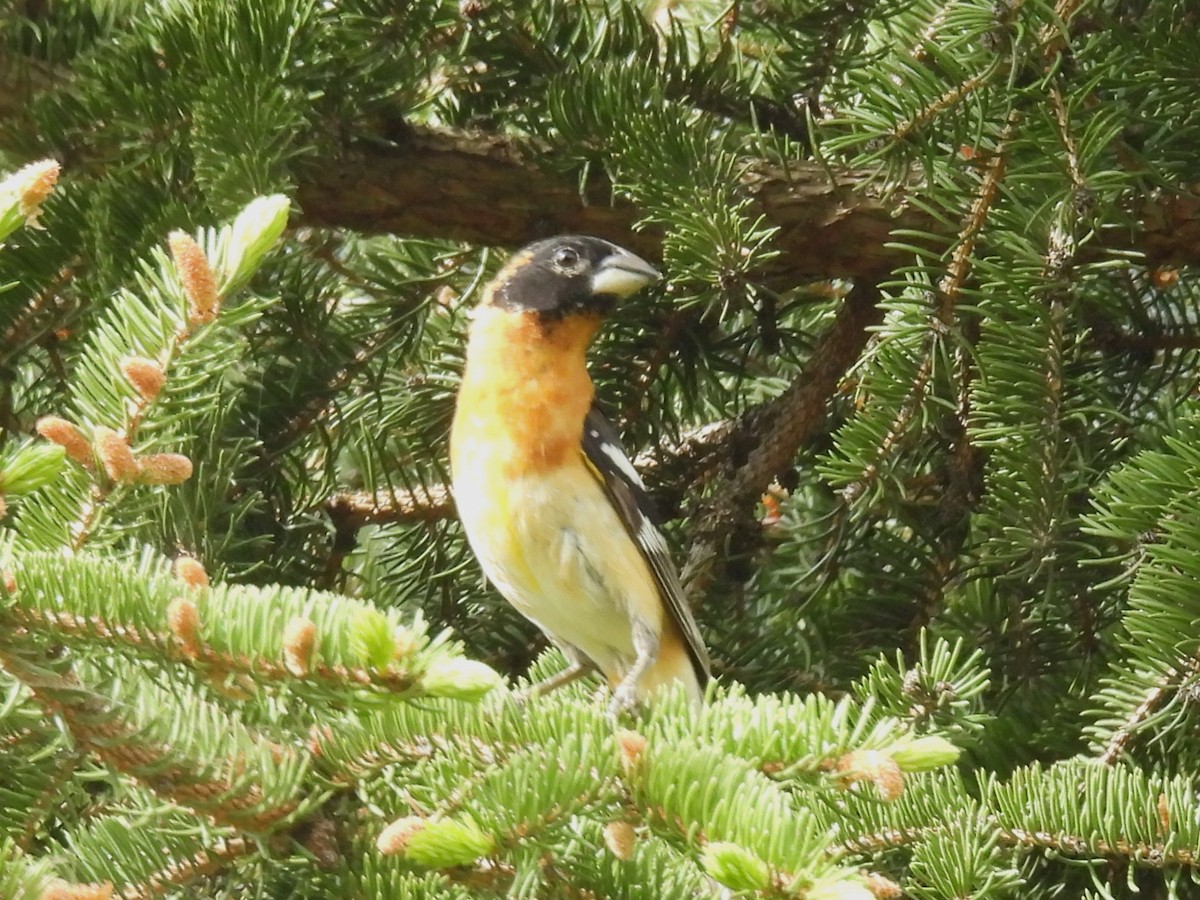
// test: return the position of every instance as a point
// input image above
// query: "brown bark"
(491, 190)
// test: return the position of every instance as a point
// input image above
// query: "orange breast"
(524, 395)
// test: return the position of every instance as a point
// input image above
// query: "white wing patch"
(618, 458)
(626, 492)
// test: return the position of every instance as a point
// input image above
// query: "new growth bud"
(35, 183)
(66, 435)
(844, 888)
(299, 637)
(254, 232)
(146, 375)
(116, 456)
(33, 466)
(165, 468)
(196, 276)
(459, 679)
(924, 754)
(735, 867)
(191, 572)
(443, 843)
(394, 839)
(22, 194)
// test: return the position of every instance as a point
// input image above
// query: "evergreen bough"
(917, 402)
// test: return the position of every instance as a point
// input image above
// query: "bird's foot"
(573, 672)
(624, 699)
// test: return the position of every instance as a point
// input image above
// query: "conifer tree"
(916, 400)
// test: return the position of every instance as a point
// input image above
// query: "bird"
(556, 514)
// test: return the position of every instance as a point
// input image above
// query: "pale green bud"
(371, 638)
(735, 867)
(253, 233)
(844, 888)
(459, 679)
(31, 467)
(925, 753)
(443, 843)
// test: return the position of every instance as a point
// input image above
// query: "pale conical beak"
(622, 273)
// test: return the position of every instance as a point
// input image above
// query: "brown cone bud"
(116, 456)
(146, 375)
(322, 843)
(299, 636)
(620, 837)
(65, 890)
(873, 766)
(165, 468)
(631, 746)
(36, 182)
(191, 572)
(66, 435)
(9, 581)
(183, 618)
(196, 276)
(3, 508)
(883, 888)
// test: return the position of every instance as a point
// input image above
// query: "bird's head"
(566, 275)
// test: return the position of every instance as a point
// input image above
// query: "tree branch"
(491, 190)
(496, 190)
(770, 435)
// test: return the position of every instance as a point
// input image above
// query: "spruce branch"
(351, 510)
(113, 448)
(179, 872)
(103, 729)
(494, 190)
(1165, 685)
(1157, 856)
(236, 630)
(215, 663)
(41, 313)
(1077, 846)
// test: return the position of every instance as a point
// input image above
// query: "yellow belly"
(557, 551)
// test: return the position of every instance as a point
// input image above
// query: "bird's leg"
(579, 667)
(645, 645)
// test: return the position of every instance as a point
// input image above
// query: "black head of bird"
(569, 274)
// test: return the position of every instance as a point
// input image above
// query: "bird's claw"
(624, 698)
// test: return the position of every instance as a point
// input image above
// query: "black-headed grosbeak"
(552, 507)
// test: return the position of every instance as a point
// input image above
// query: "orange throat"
(524, 395)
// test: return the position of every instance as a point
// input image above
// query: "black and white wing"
(627, 493)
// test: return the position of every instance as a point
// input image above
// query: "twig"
(1154, 698)
(949, 292)
(774, 433)
(354, 509)
(100, 727)
(183, 871)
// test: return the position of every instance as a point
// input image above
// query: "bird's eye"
(566, 259)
